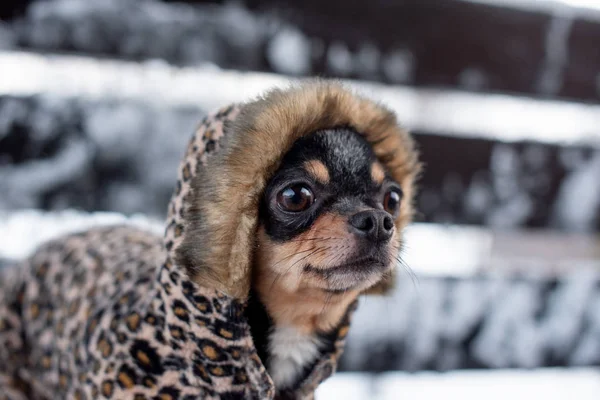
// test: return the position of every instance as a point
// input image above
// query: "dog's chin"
(353, 275)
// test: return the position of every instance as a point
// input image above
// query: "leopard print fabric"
(107, 314)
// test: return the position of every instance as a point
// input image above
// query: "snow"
(190, 34)
(586, 9)
(21, 232)
(289, 52)
(460, 250)
(547, 384)
(367, 60)
(493, 116)
(489, 320)
(21, 186)
(399, 65)
(339, 59)
(579, 197)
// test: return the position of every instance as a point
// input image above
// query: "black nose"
(375, 225)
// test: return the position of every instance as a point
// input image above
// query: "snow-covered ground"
(22, 231)
(546, 384)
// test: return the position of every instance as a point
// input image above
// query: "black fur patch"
(260, 325)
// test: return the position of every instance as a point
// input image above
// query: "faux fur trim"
(223, 207)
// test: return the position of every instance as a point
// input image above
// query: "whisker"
(411, 273)
(317, 238)
(296, 262)
(292, 255)
(333, 261)
(327, 301)
(278, 274)
(305, 257)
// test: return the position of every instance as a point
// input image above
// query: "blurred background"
(98, 99)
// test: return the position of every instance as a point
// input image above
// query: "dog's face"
(327, 219)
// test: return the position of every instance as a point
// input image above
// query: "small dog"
(285, 210)
(326, 234)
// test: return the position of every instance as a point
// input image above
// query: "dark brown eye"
(391, 201)
(295, 198)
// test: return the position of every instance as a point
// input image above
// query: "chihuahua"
(326, 234)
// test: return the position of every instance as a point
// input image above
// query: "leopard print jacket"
(108, 314)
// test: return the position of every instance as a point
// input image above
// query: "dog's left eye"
(295, 198)
(391, 201)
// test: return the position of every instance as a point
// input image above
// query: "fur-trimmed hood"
(213, 215)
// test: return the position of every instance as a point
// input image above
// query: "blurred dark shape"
(42, 150)
(5, 263)
(448, 41)
(441, 43)
(503, 185)
(12, 8)
(479, 322)
(228, 36)
(112, 156)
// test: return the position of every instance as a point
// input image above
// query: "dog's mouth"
(360, 273)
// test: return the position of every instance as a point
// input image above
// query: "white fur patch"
(290, 351)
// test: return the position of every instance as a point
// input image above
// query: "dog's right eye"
(295, 198)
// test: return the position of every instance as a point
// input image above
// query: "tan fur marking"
(344, 331)
(377, 173)
(317, 170)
